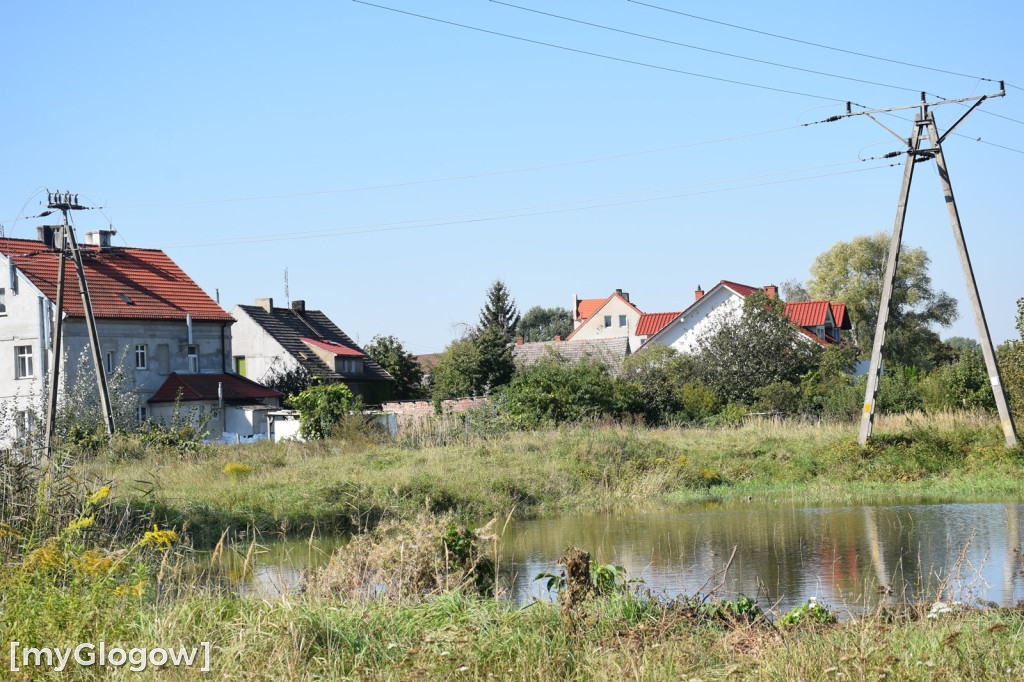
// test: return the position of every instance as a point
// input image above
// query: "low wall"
(409, 412)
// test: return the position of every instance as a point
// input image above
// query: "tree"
(457, 373)
(544, 324)
(738, 355)
(289, 380)
(320, 408)
(388, 352)
(554, 390)
(793, 291)
(500, 312)
(852, 273)
(1011, 364)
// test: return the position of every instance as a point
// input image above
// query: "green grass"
(352, 484)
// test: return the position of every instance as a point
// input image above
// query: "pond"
(847, 557)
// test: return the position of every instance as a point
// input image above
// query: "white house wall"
(263, 354)
(594, 327)
(715, 306)
(23, 324)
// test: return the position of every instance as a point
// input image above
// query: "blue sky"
(396, 165)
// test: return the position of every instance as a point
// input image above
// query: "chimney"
(699, 294)
(98, 238)
(623, 294)
(266, 303)
(772, 291)
(299, 306)
(558, 338)
(519, 340)
(47, 234)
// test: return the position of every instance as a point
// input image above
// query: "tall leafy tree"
(544, 324)
(1011, 365)
(739, 355)
(499, 311)
(388, 352)
(852, 273)
(458, 372)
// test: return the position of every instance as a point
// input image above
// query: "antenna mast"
(925, 128)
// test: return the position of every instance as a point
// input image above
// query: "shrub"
(554, 391)
(320, 408)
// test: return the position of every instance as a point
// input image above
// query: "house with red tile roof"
(152, 319)
(822, 322)
(269, 340)
(613, 317)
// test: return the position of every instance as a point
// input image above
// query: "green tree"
(320, 408)
(290, 381)
(657, 376)
(1011, 364)
(738, 355)
(388, 352)
(553, 391)
(458, 371)
(544, 324)
(499, 312)
(852, 273)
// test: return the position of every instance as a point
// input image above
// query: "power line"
(807, 42)
(471, 176)
(622, 60)
(705, 49)
(405, 225)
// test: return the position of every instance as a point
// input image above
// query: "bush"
(554, 391)
(320, 408)
(960, 385)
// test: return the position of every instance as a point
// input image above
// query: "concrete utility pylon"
(925, 128)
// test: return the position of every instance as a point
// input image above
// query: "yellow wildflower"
(47, 555)
(237, 469)
(81, 523)
(93, 562)
(8, 532)
(99, 495)
(159, 539)
(135, 590)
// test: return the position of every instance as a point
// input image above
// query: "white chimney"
(99, 238)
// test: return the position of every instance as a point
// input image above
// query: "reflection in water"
(848, 557)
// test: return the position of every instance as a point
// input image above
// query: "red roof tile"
(741, 289)
(652, 323)
(334, 347)
(808, 313)
(588, 306)
(123, 282)
(205, 387)
(840, 315)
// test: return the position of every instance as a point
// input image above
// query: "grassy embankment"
(352, 483)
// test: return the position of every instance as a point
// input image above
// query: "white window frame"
(607, 320)
(3, 301)
(623, 321)
(24, 425)
(142, 413)
(141, 356)
(192, 352)
(23, 365)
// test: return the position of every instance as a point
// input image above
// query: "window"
(110, 362)
(607, 320)
(142, 413)
(3, 302)
(140, 356)
(622, 320)
(240, 365)
(23, 425)
(193, 359)
(22, 362)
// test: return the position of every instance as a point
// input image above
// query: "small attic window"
(124, 297)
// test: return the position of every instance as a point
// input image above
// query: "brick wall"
(411, 411)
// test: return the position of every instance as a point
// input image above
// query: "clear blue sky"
(323, 138)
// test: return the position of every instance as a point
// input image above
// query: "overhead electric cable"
(409, 183)
(405, 225)
(601, 55)
(704, 49)
(807, 42)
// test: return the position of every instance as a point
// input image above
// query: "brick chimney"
(558, 338)
(266, 303)
(519, 340)
(299, 306)
(772, 291)
(623, 294)
(698, 294)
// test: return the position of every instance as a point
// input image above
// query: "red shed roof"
(652, 323)
(334, 347)
(123, 282)
(205, 387)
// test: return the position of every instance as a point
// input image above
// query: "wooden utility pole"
(67, 244)
(926, 128)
